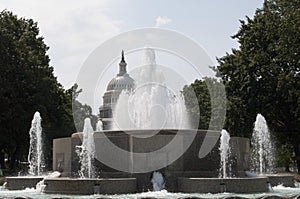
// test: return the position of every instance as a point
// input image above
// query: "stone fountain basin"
(78, 186)
(22, 182)
(284, 179)
(88, 186)
(219, 185)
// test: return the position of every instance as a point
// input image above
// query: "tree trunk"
(12, 162)
(297, 156)
(2, 162)
(14, 158)
(287, 168)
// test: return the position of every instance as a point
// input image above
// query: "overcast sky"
(73, 29)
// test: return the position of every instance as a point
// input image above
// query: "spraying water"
(99, 126)
(263, 151)
(158, 181)
(151, 105)
(224, 152)
(35, 156)
(86, 151)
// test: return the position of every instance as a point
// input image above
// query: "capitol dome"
(119, 83)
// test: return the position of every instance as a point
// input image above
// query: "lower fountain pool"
(281, 191)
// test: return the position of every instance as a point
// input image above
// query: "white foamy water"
(86, 151)
(263, 149)
(99, 126)
(158, 181)
(224, 153)
(35, 155)
(163, 194)
(151, 105)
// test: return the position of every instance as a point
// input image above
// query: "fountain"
(147, 119)
(224, 152)
(86, 151)
(151, 105)
(263, 149)
(263, 154)
(35, 156)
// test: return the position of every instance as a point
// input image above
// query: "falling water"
(151, 105)
(224, 153)
(35, 156)
(263, 151)
(86, 151)
(40, 186)
(158, 181)
(99, 126)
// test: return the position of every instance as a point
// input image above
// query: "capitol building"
(119, 83)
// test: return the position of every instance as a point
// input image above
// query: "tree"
(262, 76)
(284, 156)
(206, 103)
(81, 111)
(197, 101)
(27, 84)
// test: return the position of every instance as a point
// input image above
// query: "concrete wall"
(62, 155)
(89, 186)
(240, 156)
(286, 180)
(22, 182)
(219, 185)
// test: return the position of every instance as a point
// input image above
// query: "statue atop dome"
(122, 65)
(122, 54)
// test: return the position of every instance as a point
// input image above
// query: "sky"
(73, 29)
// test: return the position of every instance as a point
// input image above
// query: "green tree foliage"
(27, 84)
(204, 104)
(262, 76)
(284, 156)
(197, 100)
(81, 111)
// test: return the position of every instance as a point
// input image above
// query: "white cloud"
(71, 28)
(162, 20)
